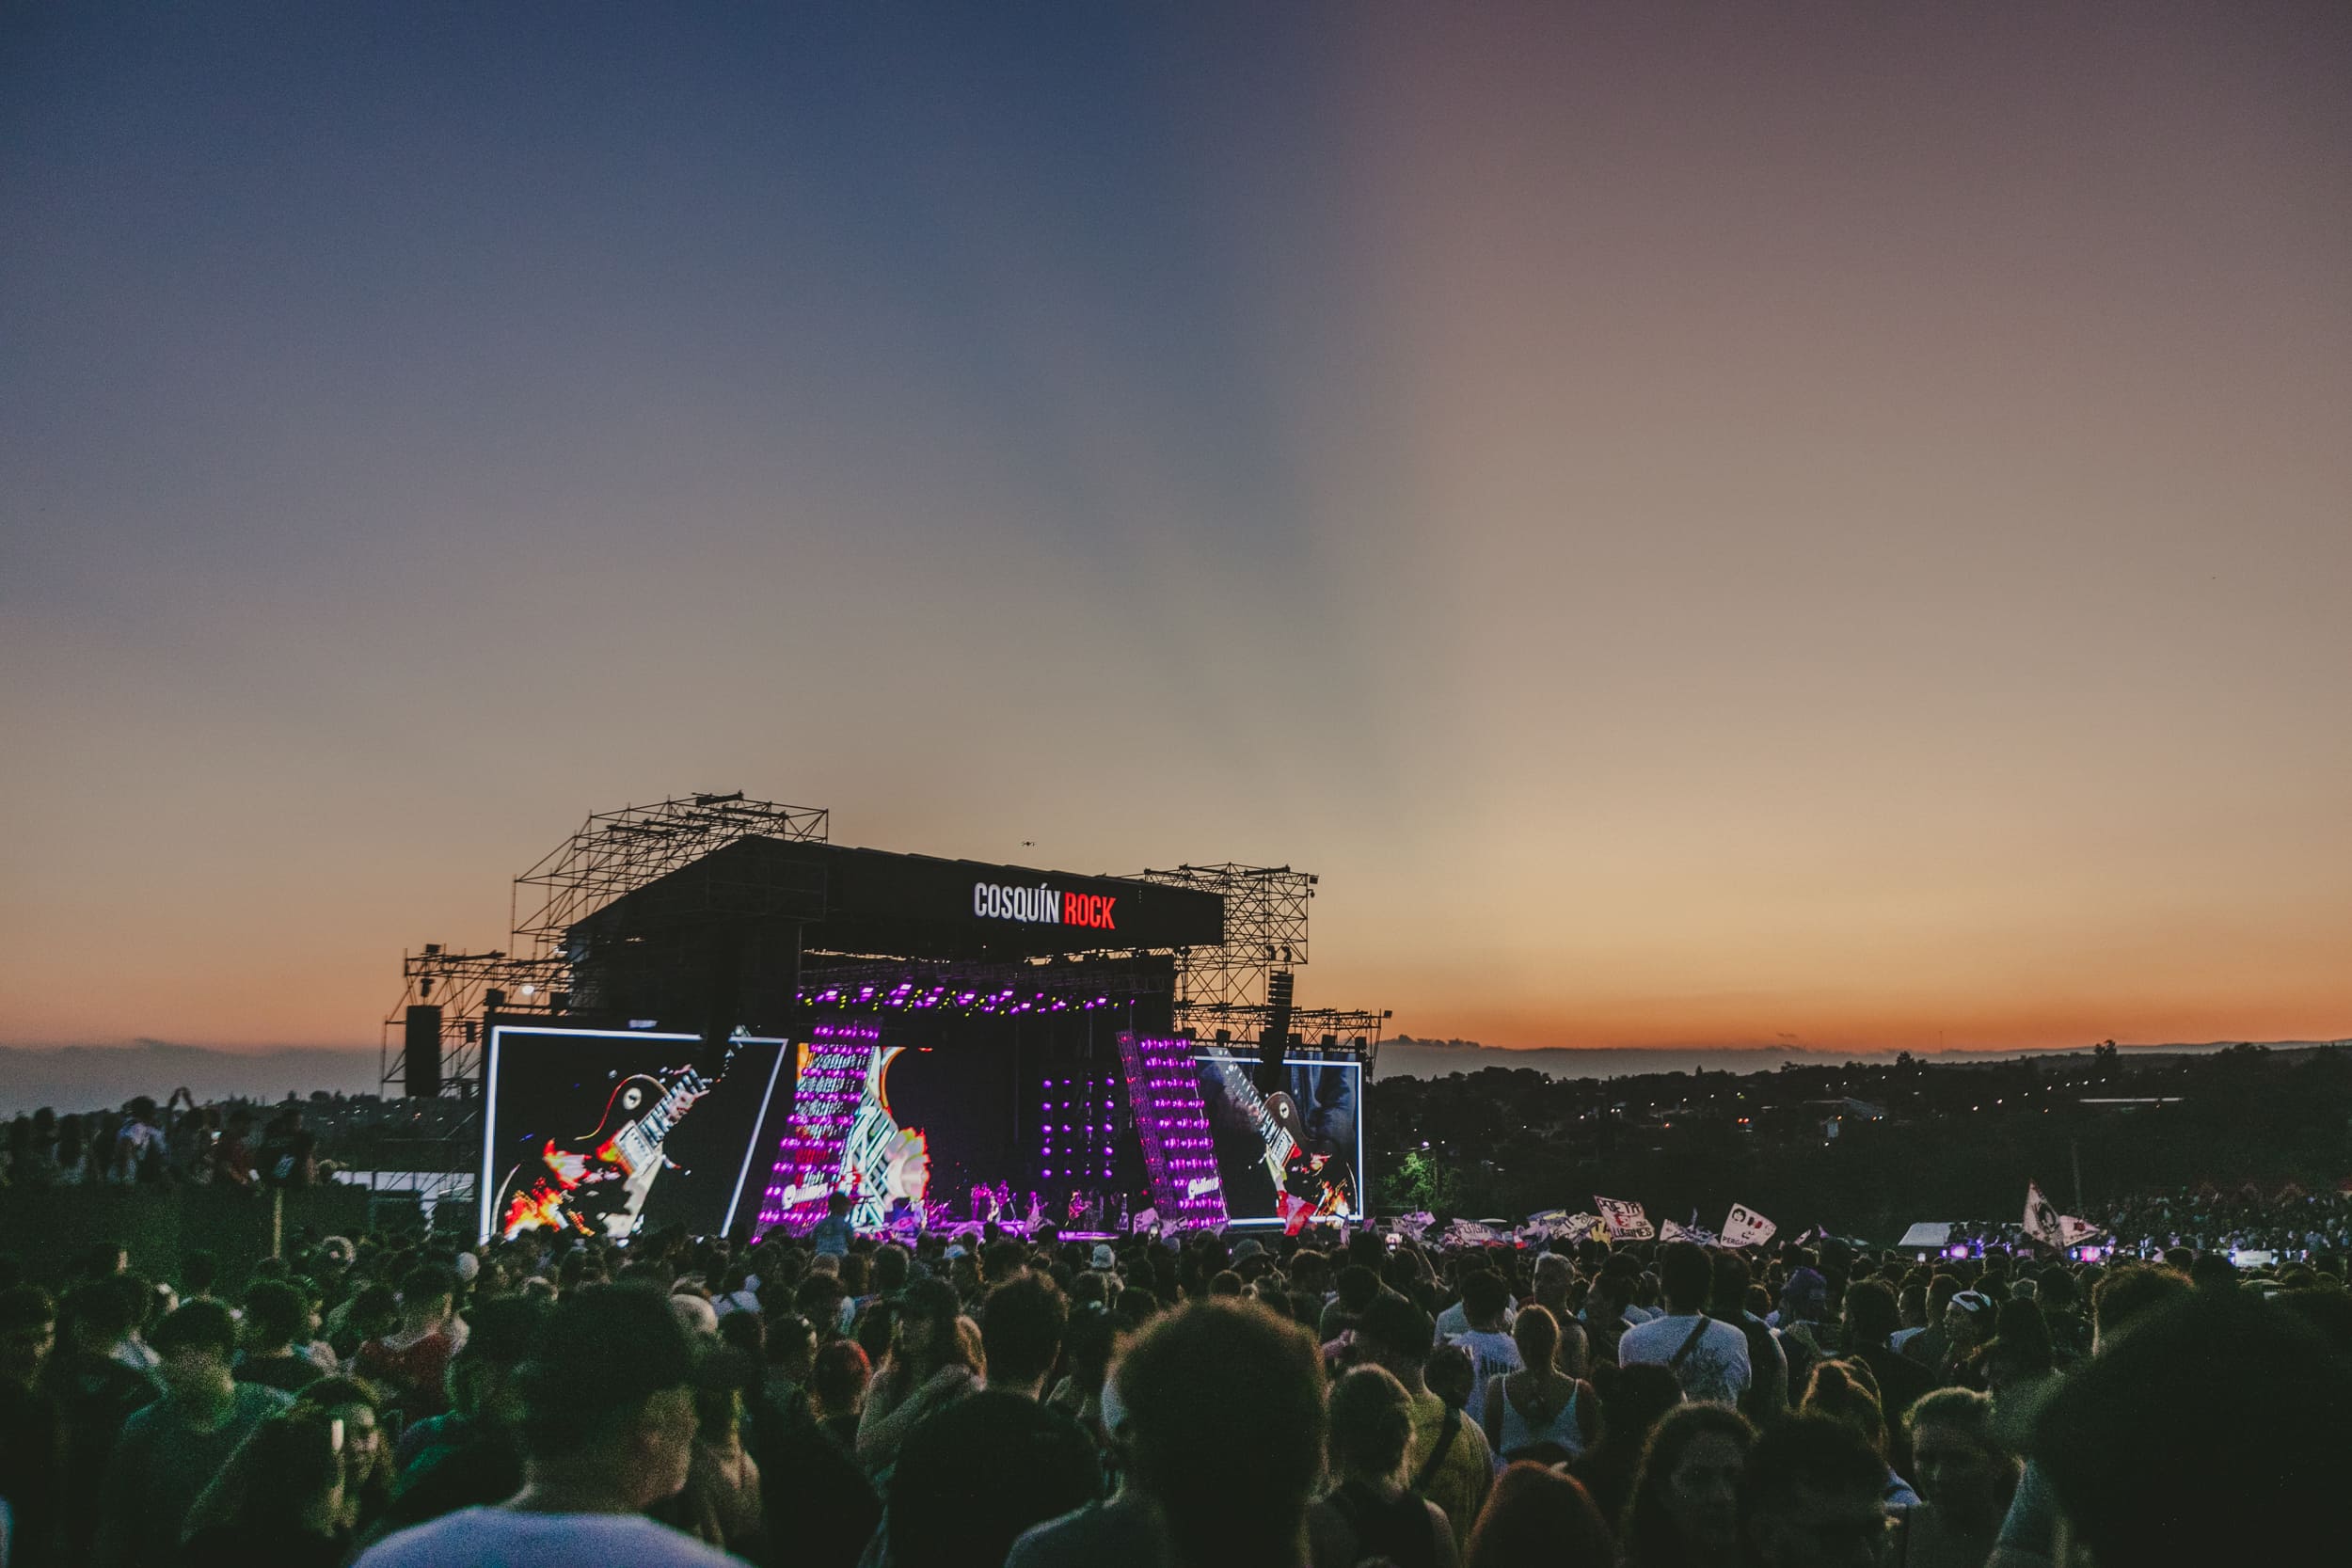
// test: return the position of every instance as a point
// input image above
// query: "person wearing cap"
(609, 1423)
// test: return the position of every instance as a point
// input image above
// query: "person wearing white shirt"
(1710, 1357)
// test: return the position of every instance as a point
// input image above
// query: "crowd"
(2287, 1224)
(233, 1145)
(2288, 1221)
(1294, 1403)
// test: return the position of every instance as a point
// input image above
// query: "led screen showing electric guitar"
(597, 1184)
(1307, 1186)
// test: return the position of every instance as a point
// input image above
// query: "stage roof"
(884, 904)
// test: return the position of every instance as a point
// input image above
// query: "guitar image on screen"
(1306, 1186)
(597, 1184)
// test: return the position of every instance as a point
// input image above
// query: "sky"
(1702, 526)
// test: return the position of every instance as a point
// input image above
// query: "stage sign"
(1014, 905)
(608, 1133)
(1290, 1156)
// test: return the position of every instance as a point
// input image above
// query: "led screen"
(613, 1131)
(1292, 1155)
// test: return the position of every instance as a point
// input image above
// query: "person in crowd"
(369, 1469)
(609, 1424)
(171, 1449)
(2271, 1391)
(1449, 1372)
(1535, 1517)
(1767, 1395)
(1539, 1412)
(2020, 1369)
(1967, 1324)
(836, 1390)
(1635, 1401)
(976, 1475)
(370, 1312)
(189, 1138)
(720, 1503)
(1810, 1498)
(1486, 1304)
(928, 1369)
(1709, 1358)
(279, 1500)
(1555, 1275)
(1450, 1463)
(1911, 1304)
(94, 1394)
(1089, 1344)
(1930, 1345)
(411, 1363)
(1685, 1511)
(1843, 1391)
(1872, 1317)
(1608, 1305)
(2125, 1298)
(830, 1237)
(1805, 1338)
(1219, 1412)
(472, 1456)
(289, 1156)
(200, 1272)
(1353, 1292)
(789, 1349)
(1371, 1512)
(31, 1434)
(820, 1504)
(233, 1155)
(137, 1155)
(1966, 1476)
(274, 1314)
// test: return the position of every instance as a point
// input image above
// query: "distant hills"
(1406, 1057)
(95, 1077)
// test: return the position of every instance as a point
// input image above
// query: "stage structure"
(1240, 989)
(432, 1039)
(951, 1040)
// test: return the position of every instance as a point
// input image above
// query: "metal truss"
(613, 852)
(619, 851)
(1325, 1028)
(467, 987)
(1265, 930)
(1223, 989)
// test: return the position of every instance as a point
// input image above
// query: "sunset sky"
(1702, 526)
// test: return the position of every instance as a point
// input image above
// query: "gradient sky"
(1702, 526)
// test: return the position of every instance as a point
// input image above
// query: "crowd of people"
(1295, 1402)
(235, 1144)
(2288, 1221)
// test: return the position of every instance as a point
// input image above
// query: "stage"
(724, 1023)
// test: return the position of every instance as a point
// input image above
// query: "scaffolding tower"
(614, 853)
(619, 851)
(469, 988)
(1222, 991)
